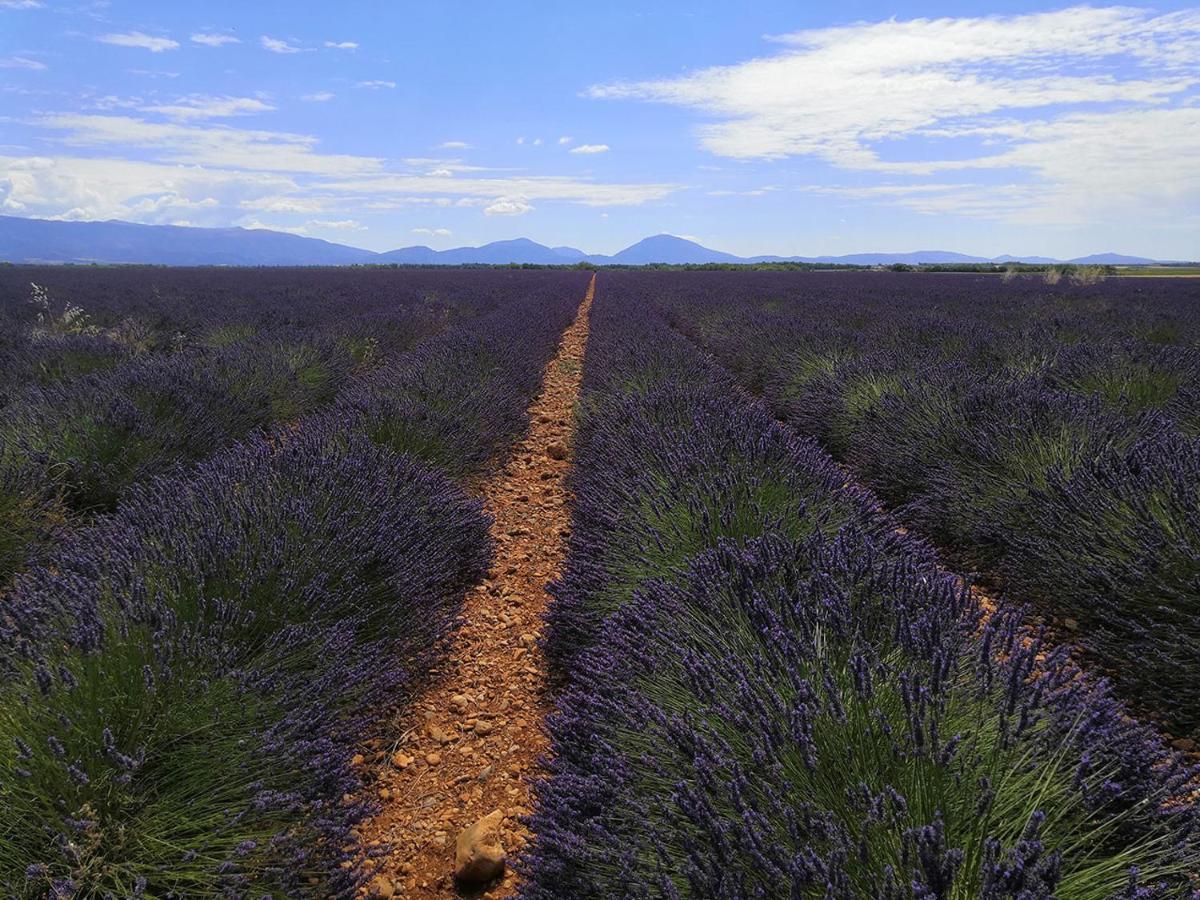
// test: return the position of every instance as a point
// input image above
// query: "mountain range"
(25, 240)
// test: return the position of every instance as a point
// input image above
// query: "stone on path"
(479, 856)
(382, 887)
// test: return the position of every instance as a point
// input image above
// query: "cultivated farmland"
(401, 582)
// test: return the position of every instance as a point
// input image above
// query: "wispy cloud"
(341, 45)
(21, 62)
(376, 84)
(139, 39)
(213, 40)
(1062, 98)
(277, 45)
(433, 232)
(222, 146)
(200, 107)
(453, 145)
(337, 225)
(508, 206)
(564, 140)
(588, 149)
(318, 97)
(20, 4)
(753, 192)
(138, 167)
(83, 188)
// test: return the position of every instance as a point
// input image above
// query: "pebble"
(433, 758)
(556, 450)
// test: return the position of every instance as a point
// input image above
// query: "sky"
(753, 128)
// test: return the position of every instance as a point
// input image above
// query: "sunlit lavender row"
(771, 691)
(1047, 436)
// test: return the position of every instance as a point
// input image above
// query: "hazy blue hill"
(666, 248)
(44, 240)
(1112, 259)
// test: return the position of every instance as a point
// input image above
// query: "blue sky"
(764, 128)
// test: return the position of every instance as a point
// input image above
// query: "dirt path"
(470, 742)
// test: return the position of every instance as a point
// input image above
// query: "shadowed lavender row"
(70, 448)
(769, 692)
(1048, 436)
(187, 679)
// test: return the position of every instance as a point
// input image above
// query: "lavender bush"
(183, 683)
(803, 704)
(219, 647)
(460, 400)
(1039, 434)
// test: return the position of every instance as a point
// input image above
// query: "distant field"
(1160, 271)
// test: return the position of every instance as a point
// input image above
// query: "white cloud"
(213, 40)
(197, 107)
(590, 148)
(318, 97)
(255, 224)
(537, 142)
(507, 206)
(753, 192)
(341, 45)
(564, 140)
(77, 188)
(285, 204)
(257, 150)
(453, 145)
(21, 62)
(221, 146)
(20, 4)
(837, 92)
(138, 39)
(1094, 109)
(307, 228)
(211, 174)
(473, 191)
(376, 84)
(276, 45)
(433, 232)
(337, 225)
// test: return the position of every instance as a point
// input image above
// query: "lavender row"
(159, 303)
(70, 450)
(187, 679)
(60, 322)
(769, 692)
(1045, 436)
(228, 637)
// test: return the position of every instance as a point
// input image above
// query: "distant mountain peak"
(115, 241)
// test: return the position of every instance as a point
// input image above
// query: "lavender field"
(876, 584)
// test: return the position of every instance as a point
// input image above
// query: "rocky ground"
(454, 774)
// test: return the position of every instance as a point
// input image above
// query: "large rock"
(479, 856)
